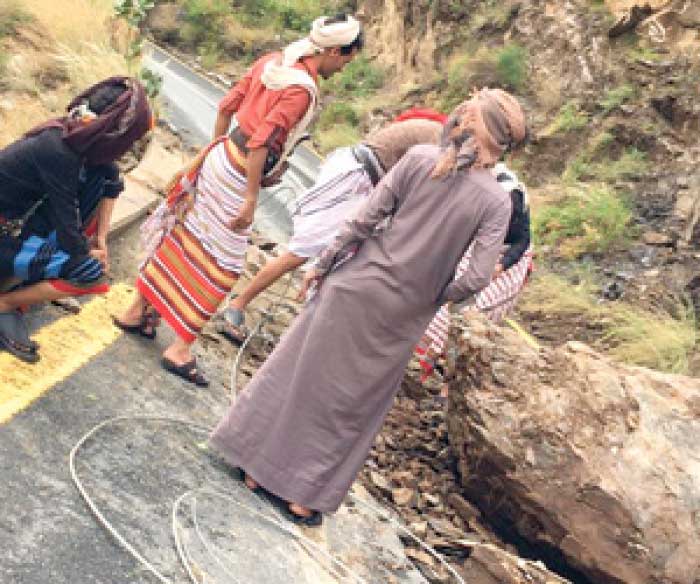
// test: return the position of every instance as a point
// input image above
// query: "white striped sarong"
(341, 186)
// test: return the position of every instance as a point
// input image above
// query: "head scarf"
(480, 130)
(106, 137)
(277, 75)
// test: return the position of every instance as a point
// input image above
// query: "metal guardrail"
(190, 103)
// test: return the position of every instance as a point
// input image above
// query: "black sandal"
(188, 371)
(146, 328)
(313, 520)
(241, 475)
(14, 337)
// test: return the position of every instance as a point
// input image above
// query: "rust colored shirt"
(265, 115)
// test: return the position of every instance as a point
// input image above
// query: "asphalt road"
(46, 531)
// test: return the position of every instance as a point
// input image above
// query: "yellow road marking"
(529, 339)
(66, 345)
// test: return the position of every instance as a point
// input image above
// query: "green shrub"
(511, 66)
(569, 118)
(616, 97)
(289, 14)
(204, 23)
(631, 164)
(630, 333)
(338, 113)
(506, 68)
(359, 78)
(341, 134)
(585, 221)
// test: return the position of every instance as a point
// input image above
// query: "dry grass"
(68, 49)
(73, 22)
(249, 37)
(629, 333)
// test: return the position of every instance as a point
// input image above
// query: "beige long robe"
(305, 423)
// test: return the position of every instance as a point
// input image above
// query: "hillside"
(612, 165)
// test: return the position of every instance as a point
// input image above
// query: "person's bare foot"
(250, 483)
(178, 352)
(300, 510)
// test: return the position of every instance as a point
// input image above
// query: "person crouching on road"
(304, 425)
(58, 185)
(196, 241)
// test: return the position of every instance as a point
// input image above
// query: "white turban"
(322, 36)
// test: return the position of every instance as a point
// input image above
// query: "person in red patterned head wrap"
(58, 185)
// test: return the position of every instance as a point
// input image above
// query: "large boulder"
(595, 463)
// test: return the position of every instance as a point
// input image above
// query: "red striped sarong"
(198, 260)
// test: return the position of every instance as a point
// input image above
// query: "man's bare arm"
(223, 123)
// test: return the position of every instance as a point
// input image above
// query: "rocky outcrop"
(594, 462)
(489, 564)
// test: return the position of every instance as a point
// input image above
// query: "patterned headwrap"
(480, 130)
(106, 137)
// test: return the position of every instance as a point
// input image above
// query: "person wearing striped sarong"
(509, 278)
(196, 241)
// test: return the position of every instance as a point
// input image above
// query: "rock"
(419, 529)
(444, 528)
(611, 482)
(630, 20)
(464, 508)
(380, 481)
(489, 565)
(656, 238)
(164, 22)
(403, 496)
(690, 17)
(420, 556)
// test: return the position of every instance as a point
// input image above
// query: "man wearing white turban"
(195, 241)
(277, 98)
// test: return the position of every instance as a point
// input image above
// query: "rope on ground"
(182, 550)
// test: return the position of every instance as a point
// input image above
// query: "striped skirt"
(200, 258)
(341, 186)
(494, 301)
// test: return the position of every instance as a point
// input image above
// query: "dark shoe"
(188, 371)
(313, 520)
(14, 337)
(145, 328)
(240, 475)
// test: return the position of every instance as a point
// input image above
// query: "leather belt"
(369, 161)
(241, 140)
